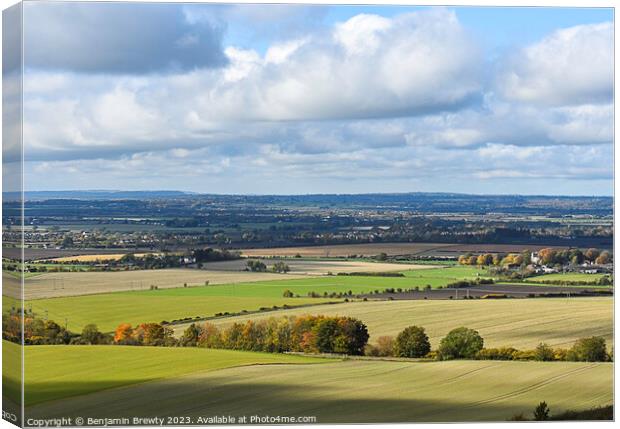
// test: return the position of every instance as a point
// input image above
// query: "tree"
(123, 333)
(541, 412)
(385, 346)
(288, 293)
(484, 259)
(591, 349)
(460, 343)
(592, 254)
(603, 258)
(547, 256)
(256, 266)
(543, 352)
(412, 342)
(190, 336)
(280, 267)
(91, 335)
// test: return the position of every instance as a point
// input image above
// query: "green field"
(358, 392)
(108, 310)
(519, 323)
(567, 277)
(54, 372)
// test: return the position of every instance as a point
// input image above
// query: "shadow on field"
(226, 396)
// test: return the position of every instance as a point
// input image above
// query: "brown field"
(343, 250)
(52, 285)
(32, 254)
(392, 249)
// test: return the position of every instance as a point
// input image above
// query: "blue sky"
(312, 99)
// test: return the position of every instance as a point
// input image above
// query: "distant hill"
(96, 195)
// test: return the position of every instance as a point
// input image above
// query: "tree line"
(306, 334)
(547, 256)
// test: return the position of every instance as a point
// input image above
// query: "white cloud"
(388, 103)
(571, 66)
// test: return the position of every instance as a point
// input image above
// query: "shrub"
(460, 343)
(503, 353)
(412, 342)
(385, 346)
(591, 349)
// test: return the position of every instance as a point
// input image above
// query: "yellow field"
(357, 392)
(50, 285)
(100, 257)
(520, 323)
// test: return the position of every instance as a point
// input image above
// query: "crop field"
(568, 277)
(107, 311)
(49, 285)
(320, 267)
(97, 257)
(519, 323)
(54, 372)
(357, 392)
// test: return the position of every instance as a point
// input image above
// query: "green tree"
(412, 342)
(256, 266)
(280, 267)
(541, 412)
(91, 335)
(460, 343)
(543, 352)
(591, 349)
(190, 336)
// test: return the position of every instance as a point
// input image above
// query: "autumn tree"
(592, 254)
(123, 334)
(603, 258)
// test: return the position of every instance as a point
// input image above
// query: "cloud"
(368, 104)
(571, 66)
(118, 38)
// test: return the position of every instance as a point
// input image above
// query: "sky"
(295, 99)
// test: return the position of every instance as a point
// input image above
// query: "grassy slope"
(360, 391)
(521, 323)
(54, 372)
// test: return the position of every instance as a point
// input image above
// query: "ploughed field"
(392, 249)
(334, 391)
(519, 323)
